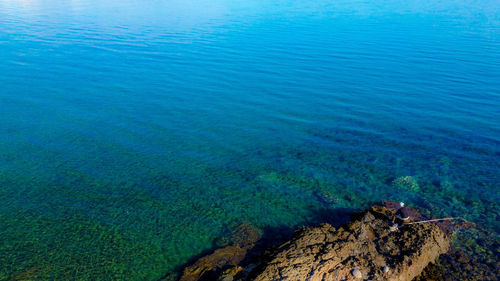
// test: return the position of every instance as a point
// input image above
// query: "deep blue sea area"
(134, 135)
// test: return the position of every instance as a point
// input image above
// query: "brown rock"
(217, 261)
(324, 253)
(229, 273)
(227, 258)
(365, 249)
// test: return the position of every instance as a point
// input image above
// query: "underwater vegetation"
(407, 182)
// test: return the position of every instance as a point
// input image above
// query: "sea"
(137, 135)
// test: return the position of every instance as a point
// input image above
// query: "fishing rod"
(396, 227)
(450, 218)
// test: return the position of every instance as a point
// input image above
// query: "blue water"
(134, 134)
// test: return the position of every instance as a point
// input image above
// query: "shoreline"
(247, 259)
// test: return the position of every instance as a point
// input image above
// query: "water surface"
(135, 134)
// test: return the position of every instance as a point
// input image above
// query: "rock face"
(362, 250)
(365, 249)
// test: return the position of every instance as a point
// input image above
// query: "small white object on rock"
(356, 273)
(385, 269)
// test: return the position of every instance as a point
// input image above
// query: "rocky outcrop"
(364, 249)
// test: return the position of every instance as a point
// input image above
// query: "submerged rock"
(229, 273)
(222, 264)
(406, 182)
(207, 267)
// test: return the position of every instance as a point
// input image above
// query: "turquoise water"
(135, 134)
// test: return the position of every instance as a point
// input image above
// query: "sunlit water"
(134, 134)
